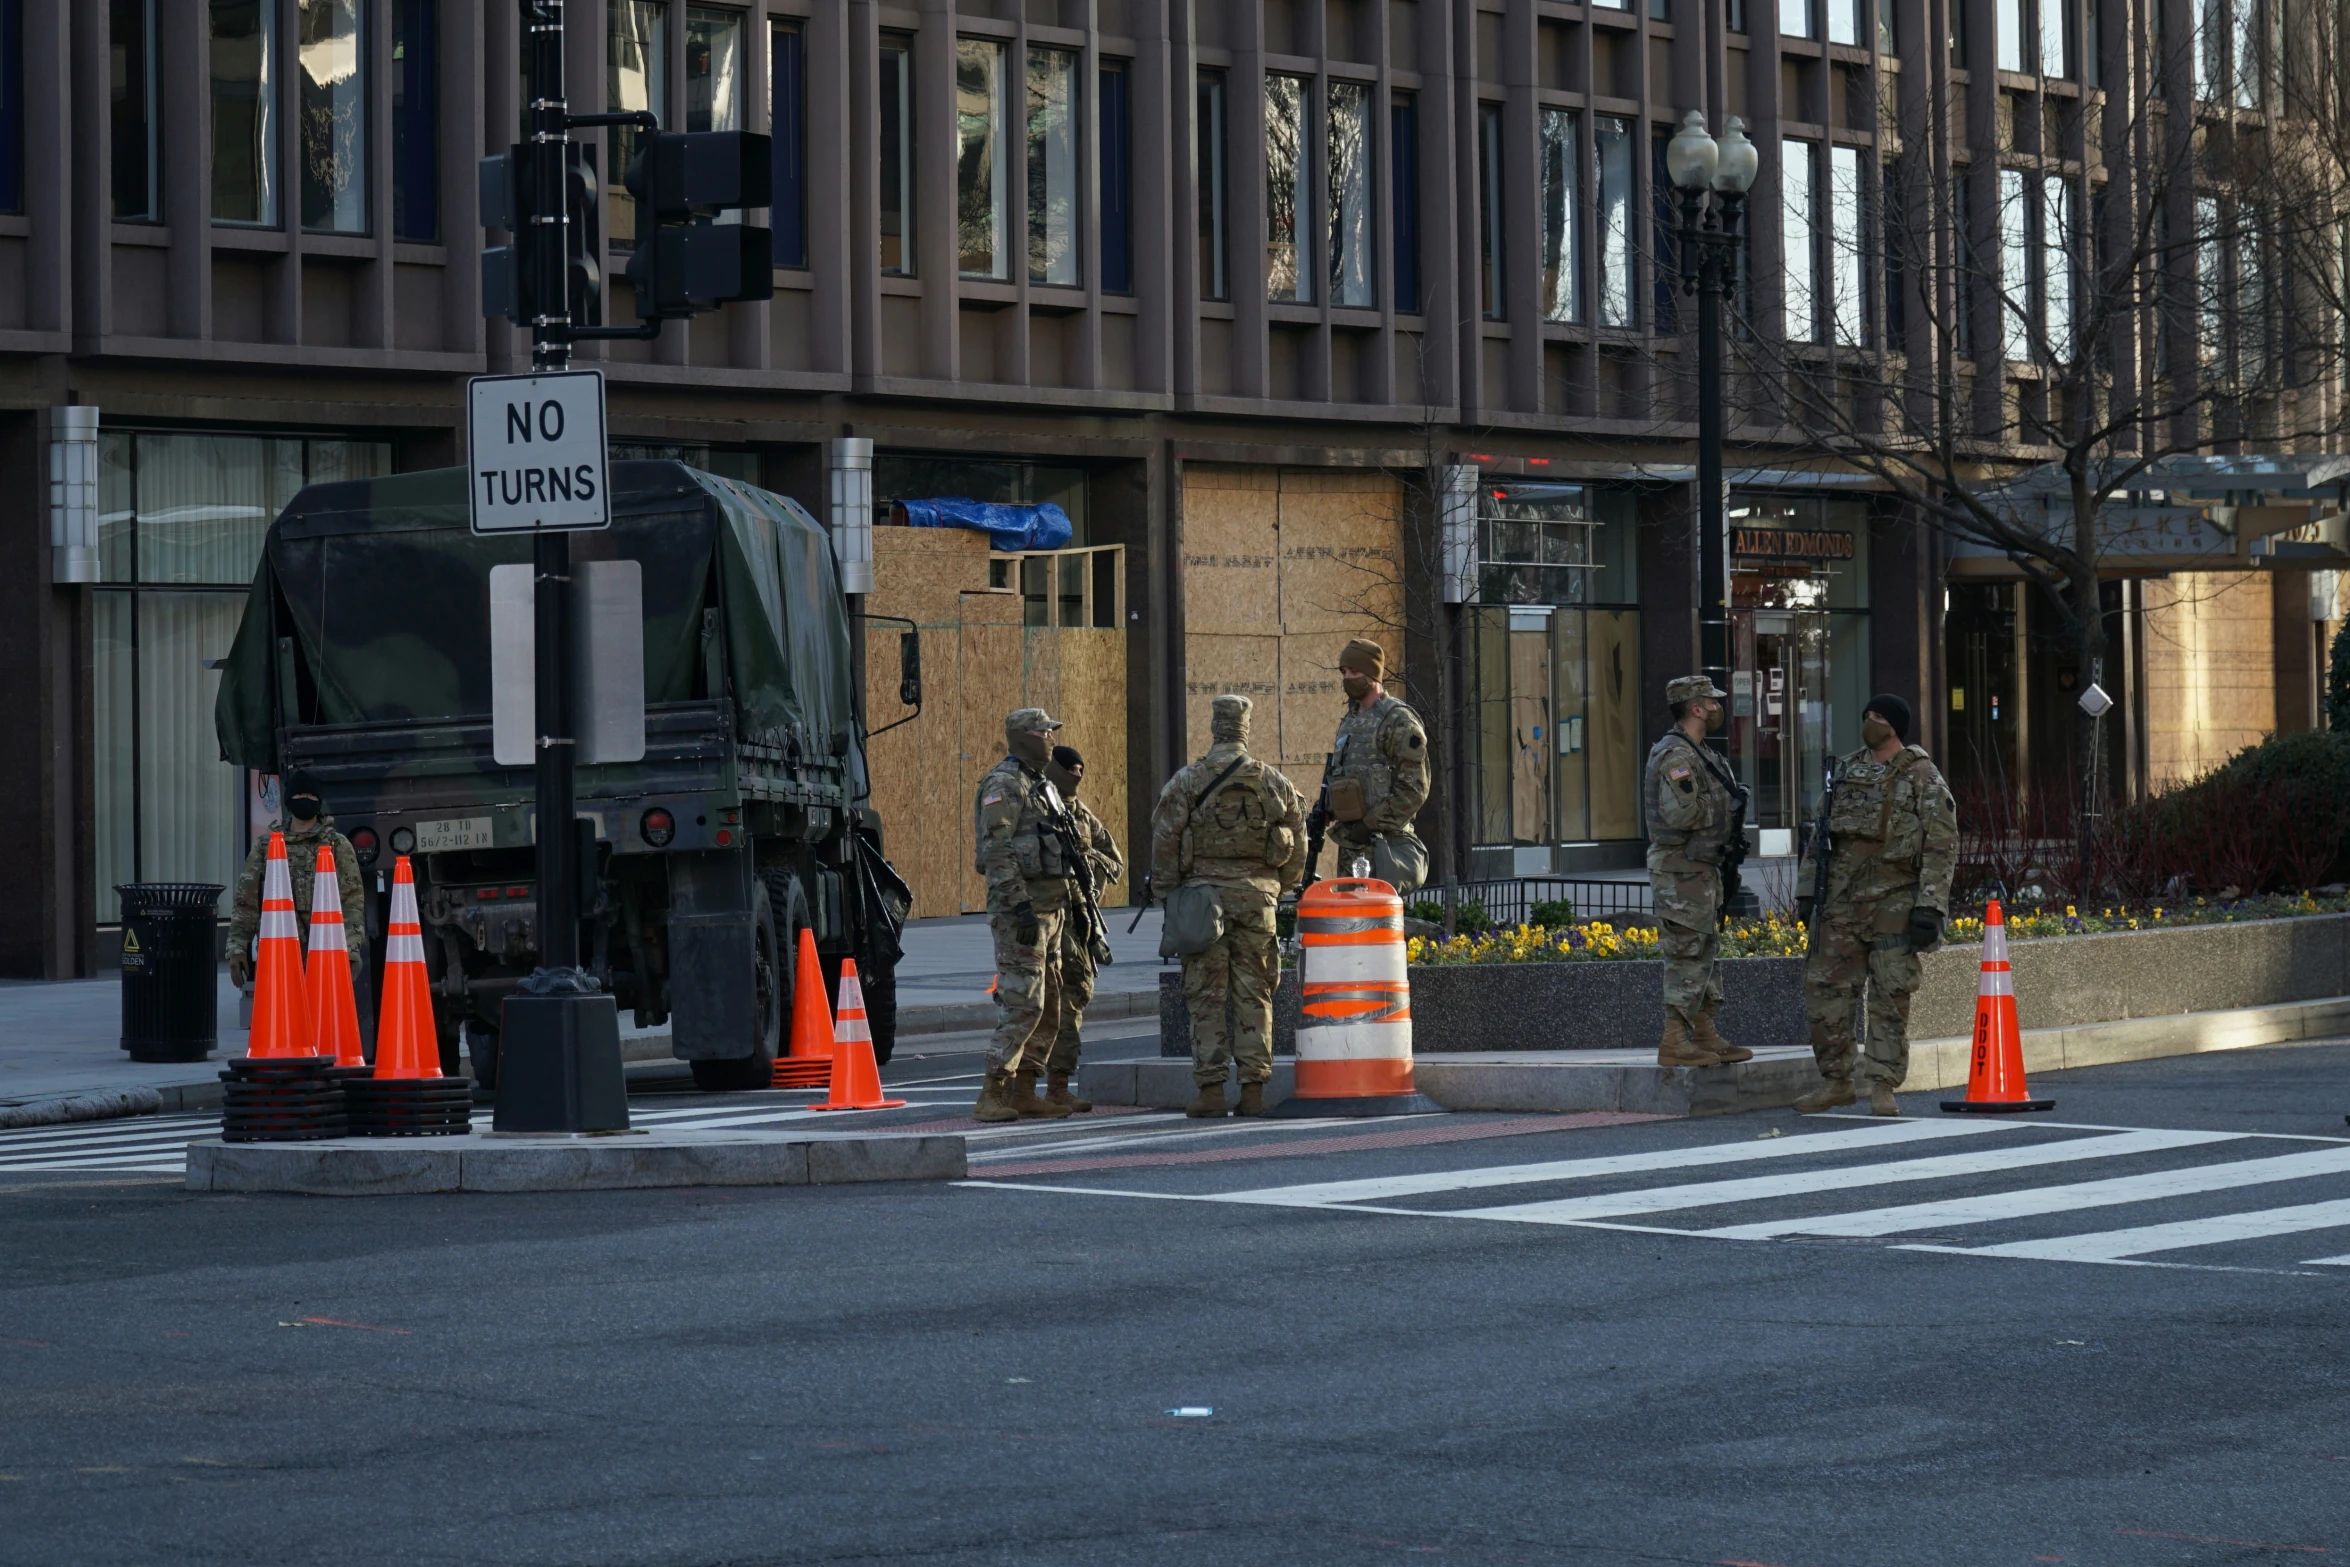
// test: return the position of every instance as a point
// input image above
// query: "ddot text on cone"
(1995, 1062)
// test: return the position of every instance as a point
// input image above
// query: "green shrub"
(1470, 918)
(1553, 913)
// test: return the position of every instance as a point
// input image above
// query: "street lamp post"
(1722, 167)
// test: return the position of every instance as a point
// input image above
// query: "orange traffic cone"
(334, 1005)
(1995, 1072)
(404, 1042)
(809, 1063)
(856, 1081)
(281, 1003)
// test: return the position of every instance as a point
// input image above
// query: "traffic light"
(509, 273)
(685, 262)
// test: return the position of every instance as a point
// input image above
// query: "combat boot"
(1057, 1093)
(1678, 1049)
(994, 1104)
(1709, 1039)
(1025, 1104)
(1881, 1100)
(1209, 1103)
(1832, 1092)
(1252, 1100)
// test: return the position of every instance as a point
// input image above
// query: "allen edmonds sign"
(1792, 543)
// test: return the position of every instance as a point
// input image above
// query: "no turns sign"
(537, 444)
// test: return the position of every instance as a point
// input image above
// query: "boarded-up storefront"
(997, 633)
(1280, 568)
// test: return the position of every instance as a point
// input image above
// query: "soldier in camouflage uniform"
(1378, 774)
(1067, 771)
(1689, 796)
(307, 828)
(1028, 896)
(1234, 823)
(1892, 837)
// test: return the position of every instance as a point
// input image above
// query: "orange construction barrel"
(1354, 1037)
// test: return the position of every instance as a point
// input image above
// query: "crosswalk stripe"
(2342, 1261)
(176, 1159)
(1377, 1188)
(106, 1132)
(1966, 1210)
(2120, 1245)
(1801, 1183)
(2152, 1186)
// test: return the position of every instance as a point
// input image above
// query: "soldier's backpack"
(1194, 917)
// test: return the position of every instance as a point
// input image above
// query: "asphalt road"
(984, 1373)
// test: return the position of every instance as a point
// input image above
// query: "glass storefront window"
(1799, 634)
(182, 518)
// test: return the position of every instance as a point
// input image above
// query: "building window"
(1962, 282)
(1117, 178)
(2210, 283)
(713, 70)
(1562, 249)
(2248, 18)
(1403, 155)
(897, 155)
(1351, 232)
(1612, 138)
(182, 519)
(1664, 235)
(636, 81)
(2032, 37)
(2211, 48)
(1054, 114)
(981, 160)
(1886, 35)
(1489, 214)
(1208, 157)
(1289, 198)
(787, 127)
(333, 56)
(2056, 264)
(1798, 246)
(1848, 247)
(1795, 19)
(244, 111)
(130, 50)
(416, 111)
(1844, 21)
(2015, 265)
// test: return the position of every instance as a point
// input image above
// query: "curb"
(104, 1105)
(476, 1163)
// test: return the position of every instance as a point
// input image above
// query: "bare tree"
(2149, 271)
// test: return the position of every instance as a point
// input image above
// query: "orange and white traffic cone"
(809, 1062)
(856, 1080)
(334, 1005)
(281, 1002)
(1995, 1069)
(405, 1045)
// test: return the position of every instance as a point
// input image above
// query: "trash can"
(170, 970)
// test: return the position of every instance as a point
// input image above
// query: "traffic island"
(486, 1162)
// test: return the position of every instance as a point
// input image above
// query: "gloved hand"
(1025, 929)
(240, 967)
(1925, 928)
(1803, 907)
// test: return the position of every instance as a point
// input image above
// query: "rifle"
(1073, 850)
(1823, 843)
(1734, 847)
(1317, 824)
(1149, 896)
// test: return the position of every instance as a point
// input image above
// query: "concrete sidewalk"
(60, 1041)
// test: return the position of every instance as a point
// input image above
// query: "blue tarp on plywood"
(1011, 528)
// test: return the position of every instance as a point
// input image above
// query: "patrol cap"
(1690, 687)
(1029, 721)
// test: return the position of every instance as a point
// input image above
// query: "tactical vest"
(1240, 821)
(1863, 808)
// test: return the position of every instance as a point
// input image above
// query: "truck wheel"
(881, 1011)
(481, 1047)
(770, 993)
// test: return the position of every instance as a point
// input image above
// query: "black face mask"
(302, 808)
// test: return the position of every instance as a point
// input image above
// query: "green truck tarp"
(386, 590)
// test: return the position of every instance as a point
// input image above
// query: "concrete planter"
(2059, 982)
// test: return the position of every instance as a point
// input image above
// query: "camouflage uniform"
(1688, 801)
(1020, 856)
(1894, 832)
(1077, 968)
(1248, 842)
(1383, 748)
(303, 841)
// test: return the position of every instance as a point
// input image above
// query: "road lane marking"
(2120, 1245)
(1879, 1135)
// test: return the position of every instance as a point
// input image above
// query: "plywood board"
(2210, 670)
(921, 573)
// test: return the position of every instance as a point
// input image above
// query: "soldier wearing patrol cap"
(1030, 887)
(1690, 798)
(1377, 777)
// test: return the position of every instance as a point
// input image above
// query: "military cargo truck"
(364, 658)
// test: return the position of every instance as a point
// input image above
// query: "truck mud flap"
(713, 1009)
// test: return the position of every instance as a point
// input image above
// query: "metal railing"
(1511, 901)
